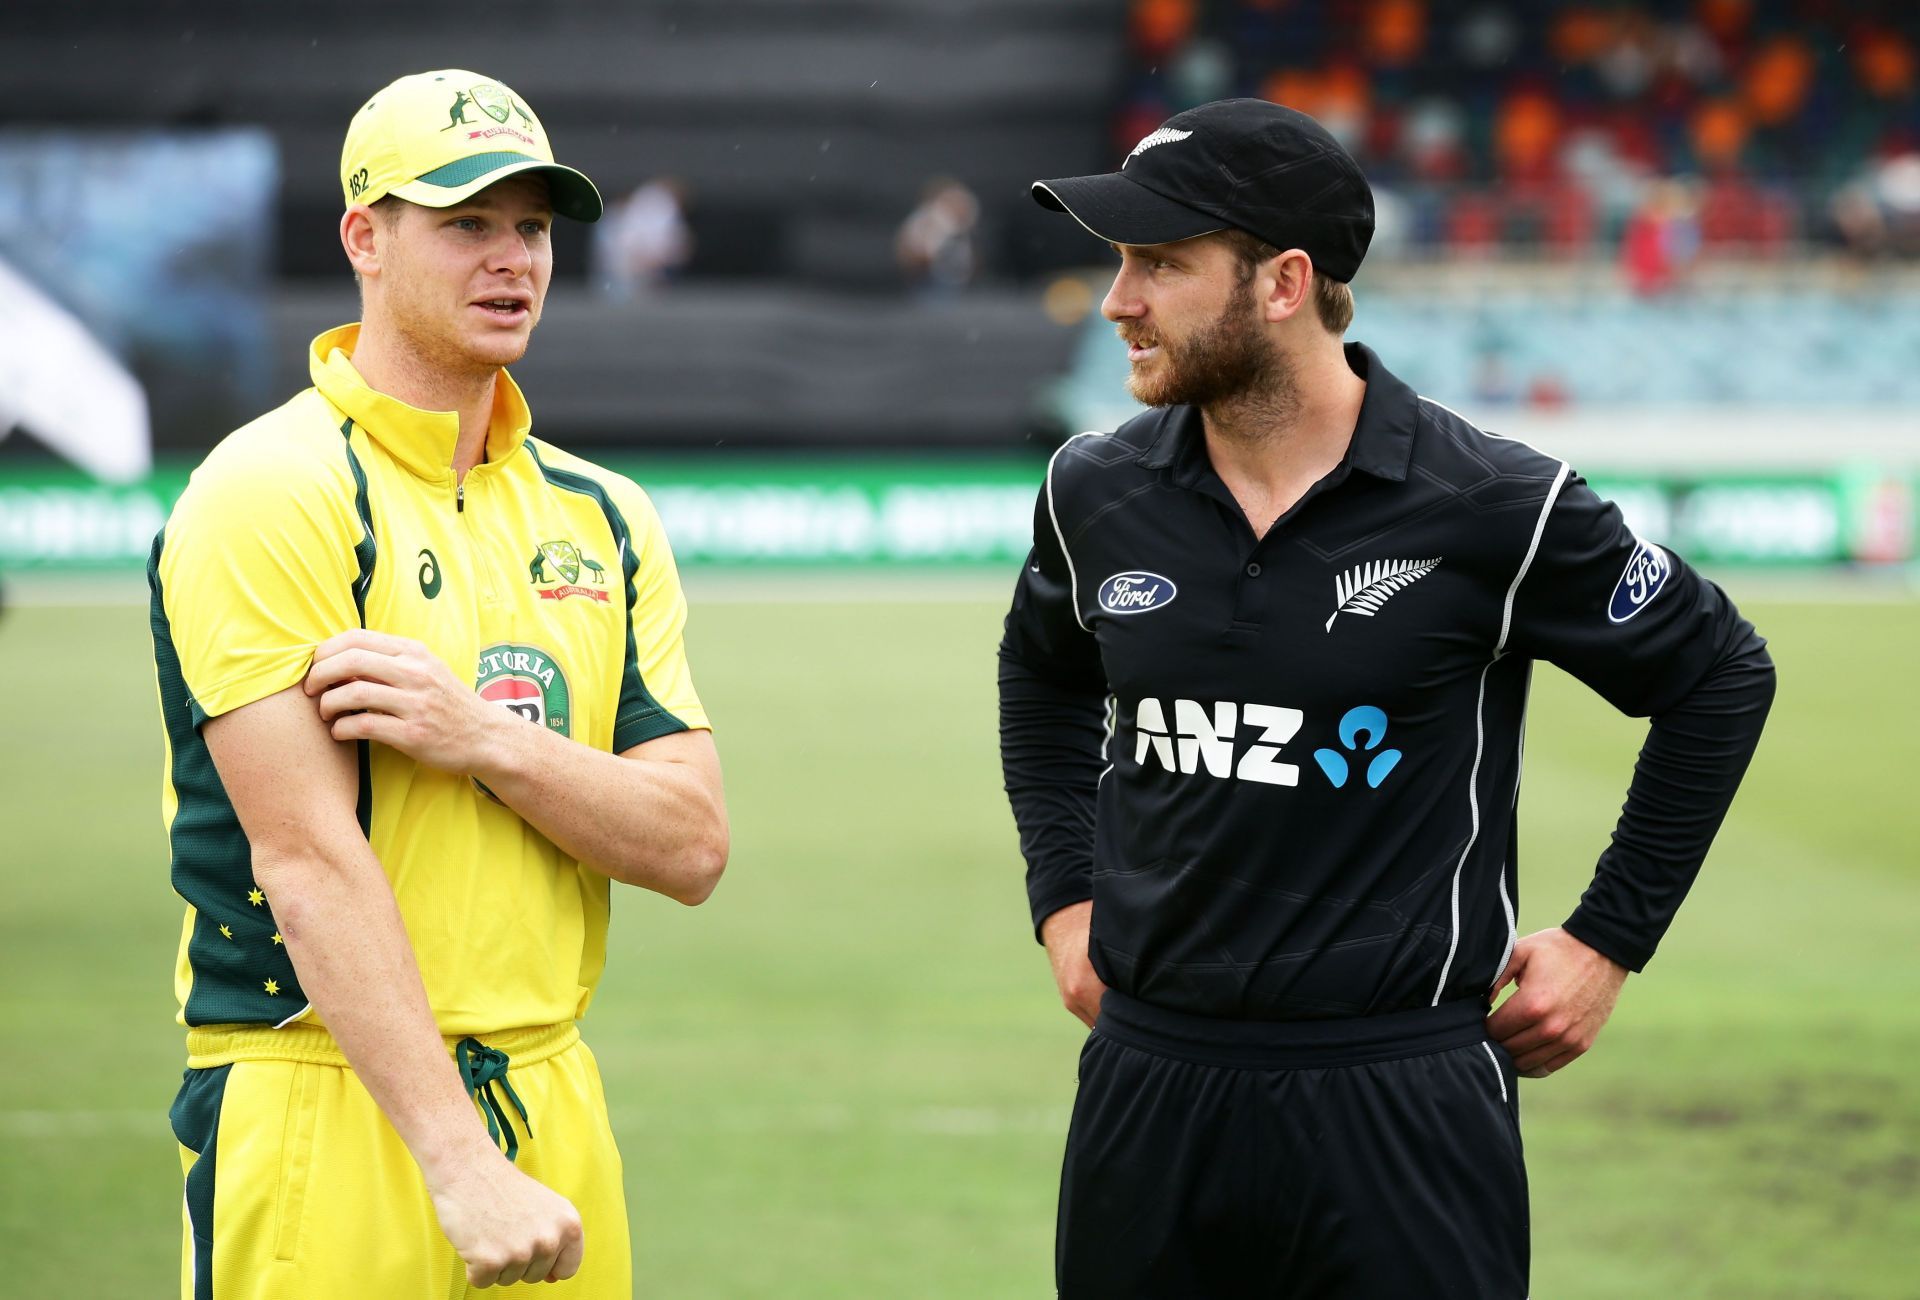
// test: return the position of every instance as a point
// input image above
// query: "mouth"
(1138, 352)
(508, 309)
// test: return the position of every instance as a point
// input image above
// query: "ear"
(1282, 285)
(360, 236)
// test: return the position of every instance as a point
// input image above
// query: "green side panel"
(212, 863)
(196, 1126)
(640, 716)
(365, 552)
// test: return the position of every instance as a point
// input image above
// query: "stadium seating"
(788, 121)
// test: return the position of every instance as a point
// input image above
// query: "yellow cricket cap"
(437, 138)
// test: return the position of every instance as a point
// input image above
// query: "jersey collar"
(423, 441)
(1382, 439)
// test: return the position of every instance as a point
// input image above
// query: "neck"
(1291, 432)
(393, 364)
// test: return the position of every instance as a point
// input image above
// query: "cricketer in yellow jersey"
(425, 697)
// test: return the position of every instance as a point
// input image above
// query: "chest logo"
(1134, 592)
(562, 563)
(1645, 574)
(524, 679)
(1364, 588)
(429, 573)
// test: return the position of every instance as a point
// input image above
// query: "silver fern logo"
(1153, 139)
(1364, 588)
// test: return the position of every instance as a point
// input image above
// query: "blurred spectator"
(1159, 26)
(1884, 61)
(1879, 214)
(935, 246)
(1661, 240)
(1493, 381)
(1777, 80)
(643, 240)
(1525, 135)
(1396, 30)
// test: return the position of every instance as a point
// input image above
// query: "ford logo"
(1136, 593)
(1646, 573)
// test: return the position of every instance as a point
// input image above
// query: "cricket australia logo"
(524, 679)
(1364, 588)
(493, 100)
(1154, 139)
(566, 562)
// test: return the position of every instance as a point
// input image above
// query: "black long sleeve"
(1053, 728)
(1051, 741)
(1694, 757)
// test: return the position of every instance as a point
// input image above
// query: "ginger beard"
(1230, 357)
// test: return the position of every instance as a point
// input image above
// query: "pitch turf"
(847, 1074)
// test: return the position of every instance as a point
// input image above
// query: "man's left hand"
(1563, 993)
(372, 686)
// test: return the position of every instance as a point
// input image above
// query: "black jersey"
(1286, 768)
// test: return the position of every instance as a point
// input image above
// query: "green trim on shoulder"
(195, 1117)
(365, 552)
(640, 717)
(231, 950)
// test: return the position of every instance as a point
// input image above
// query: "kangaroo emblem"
(457, 115)
(537, 571)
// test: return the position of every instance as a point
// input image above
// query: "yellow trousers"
(298, 1188)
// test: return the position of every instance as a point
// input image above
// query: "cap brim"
(1122, 211)
(572, 193)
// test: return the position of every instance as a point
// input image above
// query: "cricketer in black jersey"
(1307, 807)
(1263, 698)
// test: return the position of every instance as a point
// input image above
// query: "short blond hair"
(1332, 299)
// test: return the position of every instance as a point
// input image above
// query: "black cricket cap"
(1269, 170)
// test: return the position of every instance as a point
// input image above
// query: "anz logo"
(1202, 739)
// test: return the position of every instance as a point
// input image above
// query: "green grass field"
(848, 1076)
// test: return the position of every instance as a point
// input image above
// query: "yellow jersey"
(543, 579)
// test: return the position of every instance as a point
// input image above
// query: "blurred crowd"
(1660, 130)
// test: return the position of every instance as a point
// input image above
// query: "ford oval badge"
(1136, 593)
(1646, 573)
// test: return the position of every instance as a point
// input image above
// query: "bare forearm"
(350, 948)
(651, 816)
(655, 824)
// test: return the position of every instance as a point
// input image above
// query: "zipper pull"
(459, 498)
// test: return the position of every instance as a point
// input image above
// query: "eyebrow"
(489, 201)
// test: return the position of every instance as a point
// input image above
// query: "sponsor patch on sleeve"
(1645, 574)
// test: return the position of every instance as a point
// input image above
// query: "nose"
(1123, 299)
(509, 254)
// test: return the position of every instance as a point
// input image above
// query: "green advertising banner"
(791, 511)
(920, 511)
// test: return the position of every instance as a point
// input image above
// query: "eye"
(465, 223)
(533, 228)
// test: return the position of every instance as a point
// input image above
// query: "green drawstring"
(480, 1068)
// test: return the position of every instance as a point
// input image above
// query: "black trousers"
(1370, 1159)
